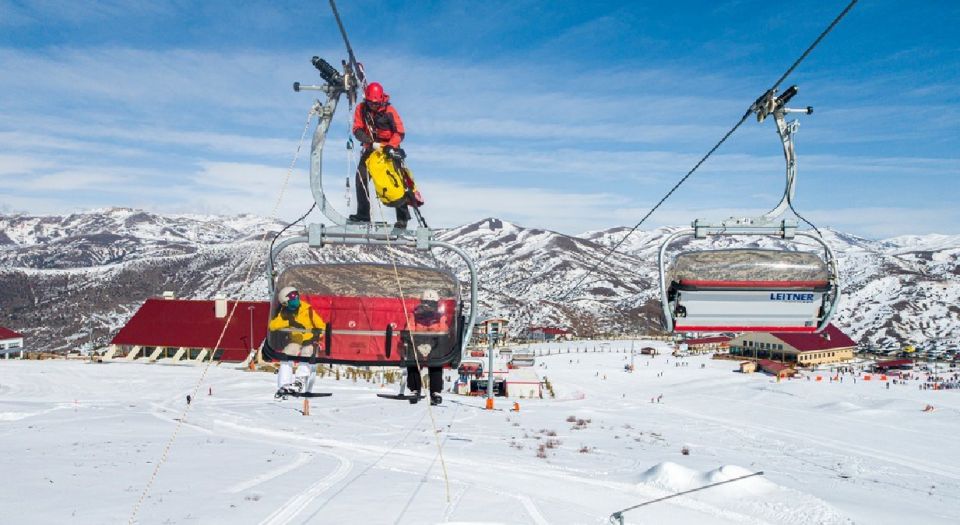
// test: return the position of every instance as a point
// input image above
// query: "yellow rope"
(416, 355)
(206, 368)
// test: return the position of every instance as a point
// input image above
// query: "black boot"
(435, 399)
(358, 219)
(415, 398)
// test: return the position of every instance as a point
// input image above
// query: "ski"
(305, 394)
(401, 397)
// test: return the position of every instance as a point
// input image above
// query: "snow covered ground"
(78, 443)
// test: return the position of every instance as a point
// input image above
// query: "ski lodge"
(10, 343)
(708, 344)
(491, 327)
(172, 331)
(829, 346)
(546, 333)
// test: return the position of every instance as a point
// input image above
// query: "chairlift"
(752, 290)
(376, 314)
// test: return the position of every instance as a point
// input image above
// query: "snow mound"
(677, 478)
(671, 476)
(839, 406)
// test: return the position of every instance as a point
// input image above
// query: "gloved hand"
(395, 153)
(377, 146)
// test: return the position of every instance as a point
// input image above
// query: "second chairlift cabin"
(747, 290)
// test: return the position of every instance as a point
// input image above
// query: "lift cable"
(617, 517)
(743, 119)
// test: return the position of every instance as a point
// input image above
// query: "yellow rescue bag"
(391, 185)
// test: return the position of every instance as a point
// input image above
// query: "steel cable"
(750, 110)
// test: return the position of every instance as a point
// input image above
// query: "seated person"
(427, 317)
(303, 326)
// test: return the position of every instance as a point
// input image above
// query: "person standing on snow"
(304, 327)
(377, 125)
(427, 316)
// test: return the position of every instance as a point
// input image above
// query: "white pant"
(305, 371)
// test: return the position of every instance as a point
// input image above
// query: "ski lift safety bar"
(786, 230)
(318, 237)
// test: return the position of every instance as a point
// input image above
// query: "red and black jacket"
(387, 128)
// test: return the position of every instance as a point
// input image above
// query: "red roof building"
(776, 369)
(829, 346)
(193, 324)
(6, 333)
(10, 342)
(830, 339)
(893, 363)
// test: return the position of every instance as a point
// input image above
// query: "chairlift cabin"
(369, 324)
(752, 290)
(376, 314)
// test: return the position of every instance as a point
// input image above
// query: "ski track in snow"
(305, 457)
(532, 509)
(832, 453)
(294, 506)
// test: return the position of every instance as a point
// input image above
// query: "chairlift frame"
(341, 232)
(769, 223)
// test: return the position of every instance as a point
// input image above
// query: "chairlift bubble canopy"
(370, 322)
(747, 290)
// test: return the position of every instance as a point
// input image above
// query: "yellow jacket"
(304, 318)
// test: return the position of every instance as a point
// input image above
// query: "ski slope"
(79, 442)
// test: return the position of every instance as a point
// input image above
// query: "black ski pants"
(415, 383)
(363, 195)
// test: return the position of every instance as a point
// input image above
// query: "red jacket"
(386, 124)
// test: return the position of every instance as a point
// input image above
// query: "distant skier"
(303, 327)
(427, 316)
(377, 125)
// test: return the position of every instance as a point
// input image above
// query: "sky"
(571, 116)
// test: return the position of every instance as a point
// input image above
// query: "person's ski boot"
(283, 392)
(400, 225)
(416, 397)
(356, 219)
(435, 399)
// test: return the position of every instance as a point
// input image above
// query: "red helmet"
(374, 93)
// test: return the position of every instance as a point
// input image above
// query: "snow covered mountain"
(62, 277)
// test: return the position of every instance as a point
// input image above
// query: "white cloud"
(186, 130)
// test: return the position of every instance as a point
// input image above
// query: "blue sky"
(565, 115)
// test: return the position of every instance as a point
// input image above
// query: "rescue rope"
(736, 126)
(413, 346)
(246, 282)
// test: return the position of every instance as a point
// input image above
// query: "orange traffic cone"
(516, 406)
(489, 403)
(306, 406)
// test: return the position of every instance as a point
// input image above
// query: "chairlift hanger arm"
(336, 84)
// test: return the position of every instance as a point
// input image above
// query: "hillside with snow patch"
(61, 276)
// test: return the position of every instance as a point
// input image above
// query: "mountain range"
(72, 279)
